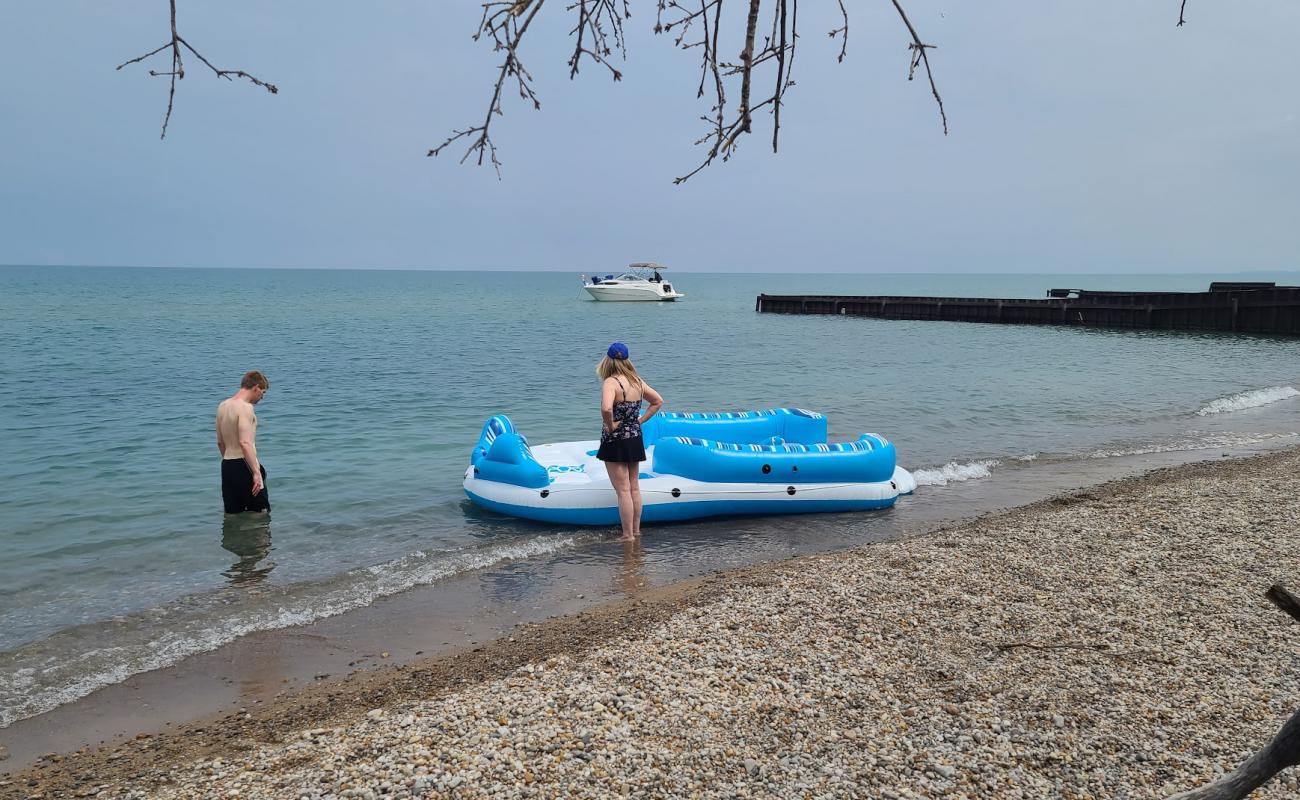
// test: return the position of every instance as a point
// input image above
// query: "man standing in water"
(243, 479)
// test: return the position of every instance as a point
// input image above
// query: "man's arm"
(221, 443)
(247, 432)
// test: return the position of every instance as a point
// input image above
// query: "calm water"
(114, 554)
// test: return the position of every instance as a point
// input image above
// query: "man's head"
(256, 384)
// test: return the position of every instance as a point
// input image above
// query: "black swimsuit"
(237, 487)
(623, 444)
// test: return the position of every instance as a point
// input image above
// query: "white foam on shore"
(952, 472)
(1212, 441)
(46, 680)
(1251, 399)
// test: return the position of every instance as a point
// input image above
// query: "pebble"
(946, 665)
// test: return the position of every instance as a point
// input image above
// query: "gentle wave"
(1210, 441)
(952, 472)
(35, 679)
(1251, 399)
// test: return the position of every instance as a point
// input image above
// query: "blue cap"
(617, 350)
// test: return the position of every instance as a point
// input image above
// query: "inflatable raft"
(697, 465)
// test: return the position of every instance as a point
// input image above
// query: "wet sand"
(1114, 640)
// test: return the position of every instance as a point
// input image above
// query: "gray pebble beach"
(1110, 644)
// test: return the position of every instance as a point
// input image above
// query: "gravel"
(1111, 644)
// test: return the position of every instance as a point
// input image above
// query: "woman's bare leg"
(619, 479)
(634, 486)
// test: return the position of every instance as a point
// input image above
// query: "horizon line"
(567, 270)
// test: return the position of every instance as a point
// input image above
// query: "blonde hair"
(618, 367)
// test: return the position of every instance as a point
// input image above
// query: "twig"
(1005, 646)
(1181, 9)
(177, 72)
(500, 22)
(1102, 649)
(599, 20)
(228, 73)
(693, 25)
(843, 29)
(918, 49)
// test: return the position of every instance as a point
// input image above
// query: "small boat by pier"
(1243, 307)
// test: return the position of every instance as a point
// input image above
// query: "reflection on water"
(629, 576)
(249, 537)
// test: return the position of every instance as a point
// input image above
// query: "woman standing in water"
(621, 446)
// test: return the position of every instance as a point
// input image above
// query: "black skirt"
(626, 451)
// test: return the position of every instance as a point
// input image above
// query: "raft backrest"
(793, 425)
(870, 459)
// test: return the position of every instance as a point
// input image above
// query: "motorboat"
(775, 461)
(641, 281)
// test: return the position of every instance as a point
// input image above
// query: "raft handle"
(546, 493)
(677, 492)
(767, 468)
(789, 490)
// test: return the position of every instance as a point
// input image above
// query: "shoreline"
(484, 604)
(349, 703)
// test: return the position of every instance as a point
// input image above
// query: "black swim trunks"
(237, 487)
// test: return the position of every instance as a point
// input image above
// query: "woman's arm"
(655, 399)
(607, 403)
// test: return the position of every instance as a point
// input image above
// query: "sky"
(1084, 137)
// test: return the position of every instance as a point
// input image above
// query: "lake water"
(115, 557)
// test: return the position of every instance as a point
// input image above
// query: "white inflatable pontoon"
(697, 465)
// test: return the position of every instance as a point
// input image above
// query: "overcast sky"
(1085, 137)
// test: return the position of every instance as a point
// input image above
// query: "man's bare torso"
(229, 414)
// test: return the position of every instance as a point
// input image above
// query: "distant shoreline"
(1141, 594)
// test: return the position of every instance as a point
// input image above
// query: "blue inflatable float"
(697, 465)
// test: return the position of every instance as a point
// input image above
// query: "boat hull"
(631, 294)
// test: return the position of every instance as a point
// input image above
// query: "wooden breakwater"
(1227, 306)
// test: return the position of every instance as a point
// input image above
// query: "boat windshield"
(627, 276)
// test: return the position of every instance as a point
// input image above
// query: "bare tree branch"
(843, 29)
(725, 126)
(693, 24)
(598, 32)
(919, 57)
(501, 23)
(228, 74)
(747, 65)
(177, 72)
(600, 20)
(1281, 752)
(782, 66)
(1280, 597)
